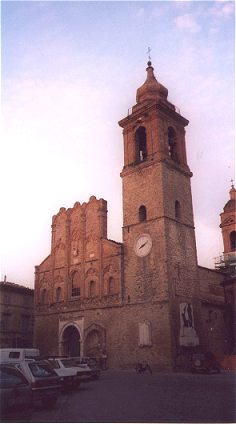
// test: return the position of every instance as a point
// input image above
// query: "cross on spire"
(148, 52)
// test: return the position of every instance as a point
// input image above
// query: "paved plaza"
(124, 396)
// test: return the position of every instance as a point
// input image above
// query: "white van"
(18, 354)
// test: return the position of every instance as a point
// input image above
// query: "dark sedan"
(15, 396)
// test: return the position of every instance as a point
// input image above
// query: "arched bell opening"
(233, 240)
(172, 144)
(142, 213)
(140, 144)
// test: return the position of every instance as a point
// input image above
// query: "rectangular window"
(25, 300)
(75, 292)
(25, 319)
(14, 355)
(5, 319)
(7, 299)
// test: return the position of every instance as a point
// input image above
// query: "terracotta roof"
(151, 89)
(8, 284)
(230, 206)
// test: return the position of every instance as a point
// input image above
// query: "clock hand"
(142, 245)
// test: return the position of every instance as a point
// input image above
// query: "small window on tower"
(140, 144)
(172, 144)
(177, 210)
(142, 213)
(233, 240)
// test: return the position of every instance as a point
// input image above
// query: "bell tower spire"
(158, 225)
(154, 130)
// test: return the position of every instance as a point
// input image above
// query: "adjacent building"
(16, 315)
(227, 264)
(145, 298)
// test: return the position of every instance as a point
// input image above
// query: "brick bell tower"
(227, 263)
(160, 260)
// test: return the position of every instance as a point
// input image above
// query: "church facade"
(145, 298)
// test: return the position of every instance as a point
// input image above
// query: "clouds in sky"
(187, 22)
(223, 9)
(70, 71)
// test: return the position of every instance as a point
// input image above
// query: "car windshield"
(41, 370)
(80, 361)
(10, 377)
(54, 363)
(68, 363)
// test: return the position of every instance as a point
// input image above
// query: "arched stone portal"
(70, 341)
(95, 340)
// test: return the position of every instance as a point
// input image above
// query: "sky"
(70, 71)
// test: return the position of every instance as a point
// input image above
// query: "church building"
(145, 299)
(227, 264)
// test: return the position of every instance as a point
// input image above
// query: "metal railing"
(226, 263)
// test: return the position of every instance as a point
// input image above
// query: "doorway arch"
(70, 341)
(95, 340)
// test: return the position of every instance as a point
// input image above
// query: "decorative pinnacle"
(232, 183)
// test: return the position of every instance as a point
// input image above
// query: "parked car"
(92, 363)
(18, 354)
(71, 373)
(15, 396)
(45, 384)
(204, 363)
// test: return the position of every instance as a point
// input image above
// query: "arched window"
(233, 240)
(75, 287)
(142, 213)
(92, 289)
(172, 144)
(111, 286)
(140, 144)
(177, 210)
(58, 294)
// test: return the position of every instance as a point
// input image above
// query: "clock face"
(143, 245)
